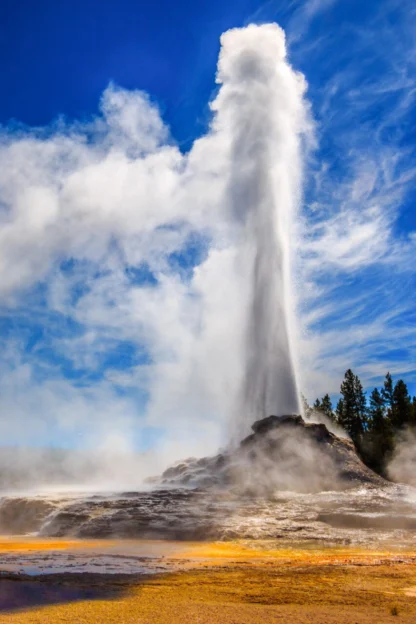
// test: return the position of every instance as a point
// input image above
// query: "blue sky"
(76, 353)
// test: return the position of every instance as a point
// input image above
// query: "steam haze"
(261, 104)
(119, 246)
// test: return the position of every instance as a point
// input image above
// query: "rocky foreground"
(287, 480)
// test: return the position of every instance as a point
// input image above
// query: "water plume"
(181, 261)
(261, 103)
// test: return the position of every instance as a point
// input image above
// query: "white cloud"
(86, 205)
(117, 194)
(303, 13)
(356, 274)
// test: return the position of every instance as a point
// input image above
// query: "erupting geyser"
(261, 103)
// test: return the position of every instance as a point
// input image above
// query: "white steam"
(402, 466)
(114, 196)
(261, 106)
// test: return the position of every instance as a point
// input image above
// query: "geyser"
(261, 103)
(119, 201)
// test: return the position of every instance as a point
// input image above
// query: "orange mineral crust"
(26, 544)
(237, 583)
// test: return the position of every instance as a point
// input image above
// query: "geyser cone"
(261, 102)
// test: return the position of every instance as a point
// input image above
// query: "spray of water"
(117, 194)
(261, 102)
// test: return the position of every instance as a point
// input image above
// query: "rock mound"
(282, 453)
(288, 480)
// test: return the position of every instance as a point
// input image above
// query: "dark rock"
(239, 492)
(65, 522)
(272, 422)
(22, 515)
(282, 453)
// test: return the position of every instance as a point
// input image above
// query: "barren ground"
(242, 582)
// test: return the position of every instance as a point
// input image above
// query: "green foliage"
(376, 412)
(339, 411)
(376, 445)
(387, 392)
(351, 412)
(326, 407)
(401, 408)
(373, 425)
(323, 405)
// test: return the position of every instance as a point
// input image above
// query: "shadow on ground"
(16, 594)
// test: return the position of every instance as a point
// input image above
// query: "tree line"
(373, 425)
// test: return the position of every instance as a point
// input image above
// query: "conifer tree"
(387, 393)
(360, 405)
(326, 407)
(401, 408)
(377, 443)
(339, 410)
(376, 412)
(373, 429)
(352, 414)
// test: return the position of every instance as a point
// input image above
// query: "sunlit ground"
(240, 582)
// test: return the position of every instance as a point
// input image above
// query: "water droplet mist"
(261, 102)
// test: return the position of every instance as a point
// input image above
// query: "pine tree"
(360, 405)
(339, 411)
(387, 393)
(377, 443)
(326, 407)
(401, 409)
(373, 429)
(352, 414)
(376, 412)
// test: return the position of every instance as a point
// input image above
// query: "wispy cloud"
(123, 266)
(302, 13)
(356, 247)
(118, 265)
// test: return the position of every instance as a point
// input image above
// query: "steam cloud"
(402, 466)
(87, 207)
(261, 104)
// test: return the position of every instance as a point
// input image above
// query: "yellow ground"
(28, 544)
(241, 584)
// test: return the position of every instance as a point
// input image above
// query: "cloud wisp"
(358, 238)
(123, 275)
(130, 272)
